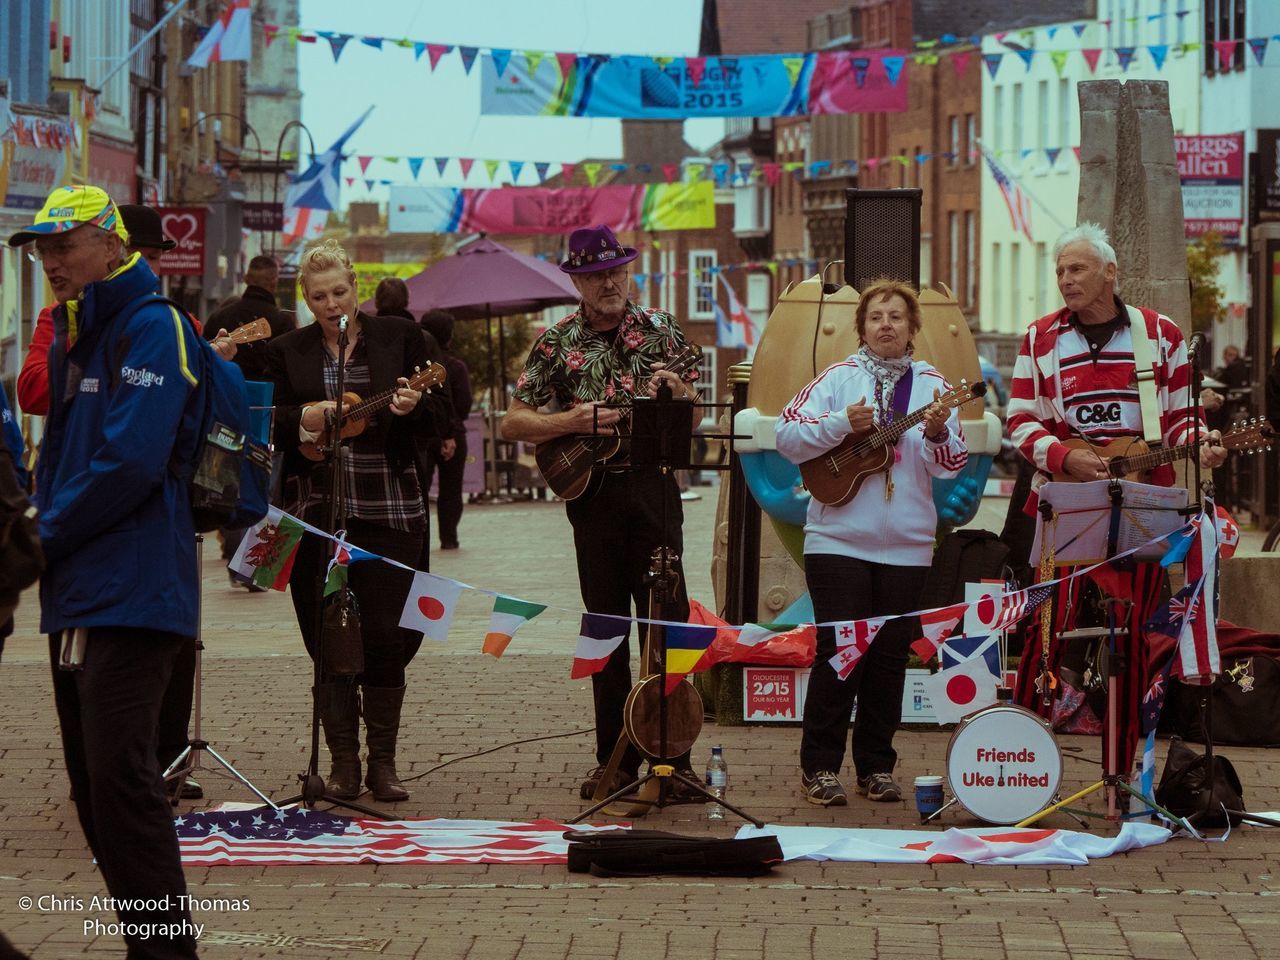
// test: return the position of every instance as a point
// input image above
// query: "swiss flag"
(430, 605)
(853, 638)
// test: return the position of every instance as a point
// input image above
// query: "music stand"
(661, 436)
(188, 761)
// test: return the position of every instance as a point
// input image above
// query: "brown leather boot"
(382, 726)
(340, 717)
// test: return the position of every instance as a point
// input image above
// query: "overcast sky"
(421, 113)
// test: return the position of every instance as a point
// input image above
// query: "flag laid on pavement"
(509, 615)
(853, 639)
(598, 636)
(265, 837)
(937, 626)
(958, 691)
(266, 552)
(430, 605)
(687, 651)
(228, 38)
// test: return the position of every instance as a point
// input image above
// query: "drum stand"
(655, 440)
(188, 761)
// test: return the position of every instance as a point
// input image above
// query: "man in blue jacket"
(119, 596)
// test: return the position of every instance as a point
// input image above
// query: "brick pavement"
(1184, 899)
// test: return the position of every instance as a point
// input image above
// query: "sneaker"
(681, 792)
(879, 787)
(620, 779)
(824, 788)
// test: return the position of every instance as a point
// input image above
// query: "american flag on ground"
(266, 837)
(1021, 603)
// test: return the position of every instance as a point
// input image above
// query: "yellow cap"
(71, 207)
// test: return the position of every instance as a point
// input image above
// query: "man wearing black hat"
(610, 349)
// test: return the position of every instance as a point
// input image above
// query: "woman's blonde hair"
(325, 255)
(883, 289)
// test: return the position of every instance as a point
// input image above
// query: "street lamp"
(275, 177)
(217, 139)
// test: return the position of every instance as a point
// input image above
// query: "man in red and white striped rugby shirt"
(1075, 374)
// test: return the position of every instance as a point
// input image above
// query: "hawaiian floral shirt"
(572, 364)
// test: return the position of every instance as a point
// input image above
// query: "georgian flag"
(936, 627)
(430, 605)
(598, 636)
(228, 37)
(853, 639)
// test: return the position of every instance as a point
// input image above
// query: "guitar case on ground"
(647, 853)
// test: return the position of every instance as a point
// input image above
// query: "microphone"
(1195, 347)
(342, 324)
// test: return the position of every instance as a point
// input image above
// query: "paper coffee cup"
(928, 795)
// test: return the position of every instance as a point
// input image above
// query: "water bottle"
(717, 782)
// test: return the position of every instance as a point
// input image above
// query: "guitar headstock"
(662, 558)
(1250, 436)
(428, 378)
(962, 393)
(688, 357)
(260, 329)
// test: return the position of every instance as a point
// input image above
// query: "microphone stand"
(313, 786)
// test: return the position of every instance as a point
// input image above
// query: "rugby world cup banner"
(644, 206)
(652, 88)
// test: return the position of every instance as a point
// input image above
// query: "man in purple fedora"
(608, 350)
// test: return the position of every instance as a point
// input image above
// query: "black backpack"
(964, 556)
(21, 559)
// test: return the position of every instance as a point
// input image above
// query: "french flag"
(228, 38)
(598, 636)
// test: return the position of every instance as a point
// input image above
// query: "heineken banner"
(643, 206)
(649, 88)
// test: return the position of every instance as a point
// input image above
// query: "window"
(1018, 142)
(970, 138)
(1163, 21)
(1064, 114)
(996, 141)
(643, 289)
(953, 253)
(997, 291)
(1224, 20)
(968, 292)
(955, 142)
(702, 284)
(1042, 115)
(1041, 280)
(1181, 18)
(707, 380)
(1015, 286)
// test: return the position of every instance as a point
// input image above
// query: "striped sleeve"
(816, 419)
(1032, 420)
(1178, 425)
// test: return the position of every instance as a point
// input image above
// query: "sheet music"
(1084, 518)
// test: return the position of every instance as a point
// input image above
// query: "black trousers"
(448, 489)
(614, 535)
(175, 708)
(844, 588)
(380, 590)
(108, 714)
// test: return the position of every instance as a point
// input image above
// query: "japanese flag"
(430, 605)
(960, 690)
(984, 600)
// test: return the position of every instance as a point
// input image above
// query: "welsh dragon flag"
(266, 553)
(509, 615)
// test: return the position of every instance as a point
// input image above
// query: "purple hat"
(596, 248)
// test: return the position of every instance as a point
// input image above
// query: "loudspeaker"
(882, 236)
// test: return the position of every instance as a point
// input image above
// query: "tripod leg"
(239, 777)
(702, 789)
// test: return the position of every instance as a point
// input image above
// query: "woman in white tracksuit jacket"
(869, 557)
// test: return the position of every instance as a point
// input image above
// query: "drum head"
(1003, 764)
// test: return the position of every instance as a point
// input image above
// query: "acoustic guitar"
(568, 463)
(642, 712)
(356, 412)
(1129, 458)
(836, 477)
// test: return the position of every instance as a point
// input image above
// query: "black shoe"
(681, 792)
(824, 788)
(191, 790)
(451, 545)
(620, 779)
(879, 787)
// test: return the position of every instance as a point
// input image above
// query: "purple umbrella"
(484, 279)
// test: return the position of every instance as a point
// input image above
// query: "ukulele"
(356, 412)
(642, 712)
(836, 477)
(1129, 458)
(259, 329)
(567, 463)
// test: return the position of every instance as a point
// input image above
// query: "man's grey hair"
(1092, 234)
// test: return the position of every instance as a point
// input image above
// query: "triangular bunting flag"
(375, 42)
(429, 607)
(435, 51)
(500, 60)
(992, 60)
(1159, 53)
(415, 165)
(1052, 154)
(1059, 58)
(336, 42)
(418, 49)
(566, 62)
(696, 67)
(541, 167)
(492, 167)
(350, 181)
(369, 185)
(468, 55)
(532, 58)
(793, 66)
(269, 32)
(1079, 29)
(1026, 56)
(772, 171)
(515, 166)
(719, 171)
(1125, 56)
(592, 170)
(441, 163)
(669, 171)
(598, 636)
(893, 68)
(745, 170)
(662, 61)
(1051, 32)
(364, 163)
(465, 163)
(1091, 56)
(566, 171)
(509, 615)
(1259, 47)
(960, 62)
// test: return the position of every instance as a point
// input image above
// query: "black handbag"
(342, 644)
(1186, 788)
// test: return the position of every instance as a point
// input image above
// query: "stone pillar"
(1129, 184)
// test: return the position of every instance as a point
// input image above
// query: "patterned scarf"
(887, 374)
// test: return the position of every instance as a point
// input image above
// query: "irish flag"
(687, 651)
(509, 615)
(266, 553)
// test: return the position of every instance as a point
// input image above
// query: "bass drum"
(1003, 764)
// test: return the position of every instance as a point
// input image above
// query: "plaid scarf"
(887, 373)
